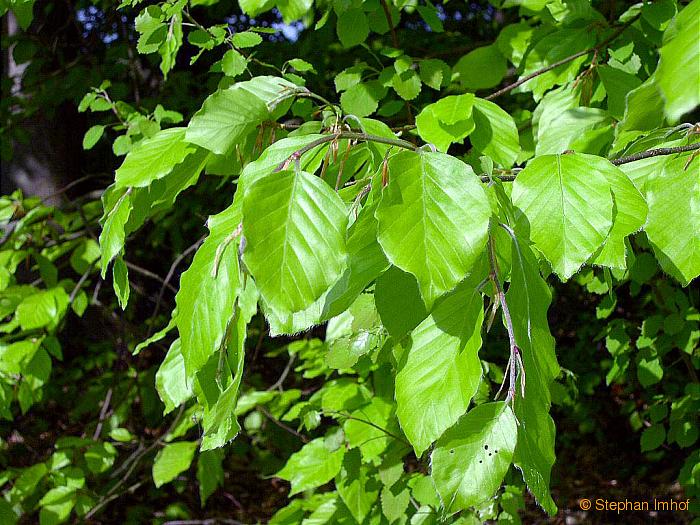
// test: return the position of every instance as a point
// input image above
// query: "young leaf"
(566, 207)
(171, 460)
(311, 467)
(528, 299)
(153, 158)
(471, 459)
(208, 291)
(92, 136)
(442, 370)
(225, 118)
(674, 215)
(433, 219)
(210, 473)
(495, 133)
(294, 225)
(677, 75)
(358, 490)
(171, 381)
(630, 214)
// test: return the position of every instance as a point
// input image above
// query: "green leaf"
(432, 219)
(372, 428)
(447, 121)
(677, 74)
(630, 214)
(366, 261)
(208, 291)
(219, 422)
(171, 460)
(398, 301)
(471, 459)
(172, 383)
(550, 50)
(406, 84)
(225, 118)
(120, 282)
(577, 129)
(121, 434)
(352, 27)
(358, 490)
(245, 39)
(528, 299)
(153, 158)
(56, 505)
(293, 9)
(43, 309)
(353, 333)
(653, 437)
(617, 84)
(674, 215)
(112, 235)
(434, 73)
(481, 68)
(233, 63)
(314, 465)
(92, 136)
(294, 225)
(395, 500)
(566, 206)
(210, 474)
(171, 45)
(495, 133)
(441, 370)
(363, 98)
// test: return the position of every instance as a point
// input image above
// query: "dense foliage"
(396, 193)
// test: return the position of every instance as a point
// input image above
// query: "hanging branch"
(515, 364)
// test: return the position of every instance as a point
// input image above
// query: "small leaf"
(233, 63)
(314, 465)
(471, 459)
(171, 460)
(246, 39)
(92, 136)
(652, 437)
(352, 27)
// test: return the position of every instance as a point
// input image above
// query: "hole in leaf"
(486, 447)
(452, 451)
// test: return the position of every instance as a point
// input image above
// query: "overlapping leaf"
(566, 207)
(294, 225)
(441, 370)
(433, 219)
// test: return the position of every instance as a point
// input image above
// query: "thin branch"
(207, 521)
(277, 422)
(655, 153)
(514, 361)
(563, 61)
(390, 23)
(148, 273)
(169, 276)
(103, 414)
(366, 422)
(285, 373)
(352, 135)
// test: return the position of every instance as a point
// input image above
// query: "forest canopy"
(349, 261)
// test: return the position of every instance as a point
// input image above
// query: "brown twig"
(563, 61)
